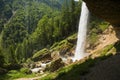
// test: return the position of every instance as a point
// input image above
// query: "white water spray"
(80, 48)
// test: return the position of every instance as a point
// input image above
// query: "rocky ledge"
(108, 10)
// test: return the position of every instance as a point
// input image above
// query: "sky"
(76, 0)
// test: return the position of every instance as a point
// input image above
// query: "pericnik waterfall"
(82, 31)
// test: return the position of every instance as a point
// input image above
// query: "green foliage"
(29, 26)
(106, 50)
(25, 70)
(7, 11)
(1, 60)
(13, 34)
(39, 53)
(14, 74)
(93, 38)
(97, 27)
(65, 44)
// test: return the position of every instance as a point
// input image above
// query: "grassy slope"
(77, 70)
(64, 45)
(14, 74)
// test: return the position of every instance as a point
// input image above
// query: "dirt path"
(35, 78)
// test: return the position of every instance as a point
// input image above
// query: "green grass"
(71, 72)
(106, 50)
(14, 74)
(103, 26)
(39, 53)
(93, 38)
(58, 45)
(95, 31)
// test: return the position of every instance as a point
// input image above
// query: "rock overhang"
(108, 10)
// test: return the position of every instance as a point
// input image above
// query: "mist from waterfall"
(82, 32)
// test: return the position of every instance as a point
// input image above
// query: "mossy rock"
(55, 65)
(42, 54)
(25, 70)
(70, 42)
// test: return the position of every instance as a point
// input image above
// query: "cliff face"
(108, 10)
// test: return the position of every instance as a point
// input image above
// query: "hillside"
(104, 59)
(24, 25)
(38, 40)
(28, 26)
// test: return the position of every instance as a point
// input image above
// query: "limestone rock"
(55, 55)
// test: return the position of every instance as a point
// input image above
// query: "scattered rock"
(55, 65)
(69, 61)
(31, 66)
(55, 55)
(37, 70)
(73, 41)
(38, 64)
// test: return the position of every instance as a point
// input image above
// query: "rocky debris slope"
(108, 37)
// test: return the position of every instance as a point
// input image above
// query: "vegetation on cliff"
(40, 33)
(29, 26)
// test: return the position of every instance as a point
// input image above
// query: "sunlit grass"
(14, 74)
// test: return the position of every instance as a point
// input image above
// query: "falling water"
(80, 48)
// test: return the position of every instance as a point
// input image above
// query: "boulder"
(55, 65)
(37, 70)
(55, 55)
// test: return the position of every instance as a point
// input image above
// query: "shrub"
(25, 70)
(1, 60)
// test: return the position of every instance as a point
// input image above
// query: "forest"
(28, 26)
(42, 34)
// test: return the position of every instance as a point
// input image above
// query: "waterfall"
(82, 31)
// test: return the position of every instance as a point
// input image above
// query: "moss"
(54, 45)
(64, 43)
(93, 38)
(25, 70)
(14, 74)
(103, 26)
(39, 53)
(96, 28)
(106, 50)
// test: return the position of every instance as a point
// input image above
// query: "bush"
(25, 70)
(1, 60)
